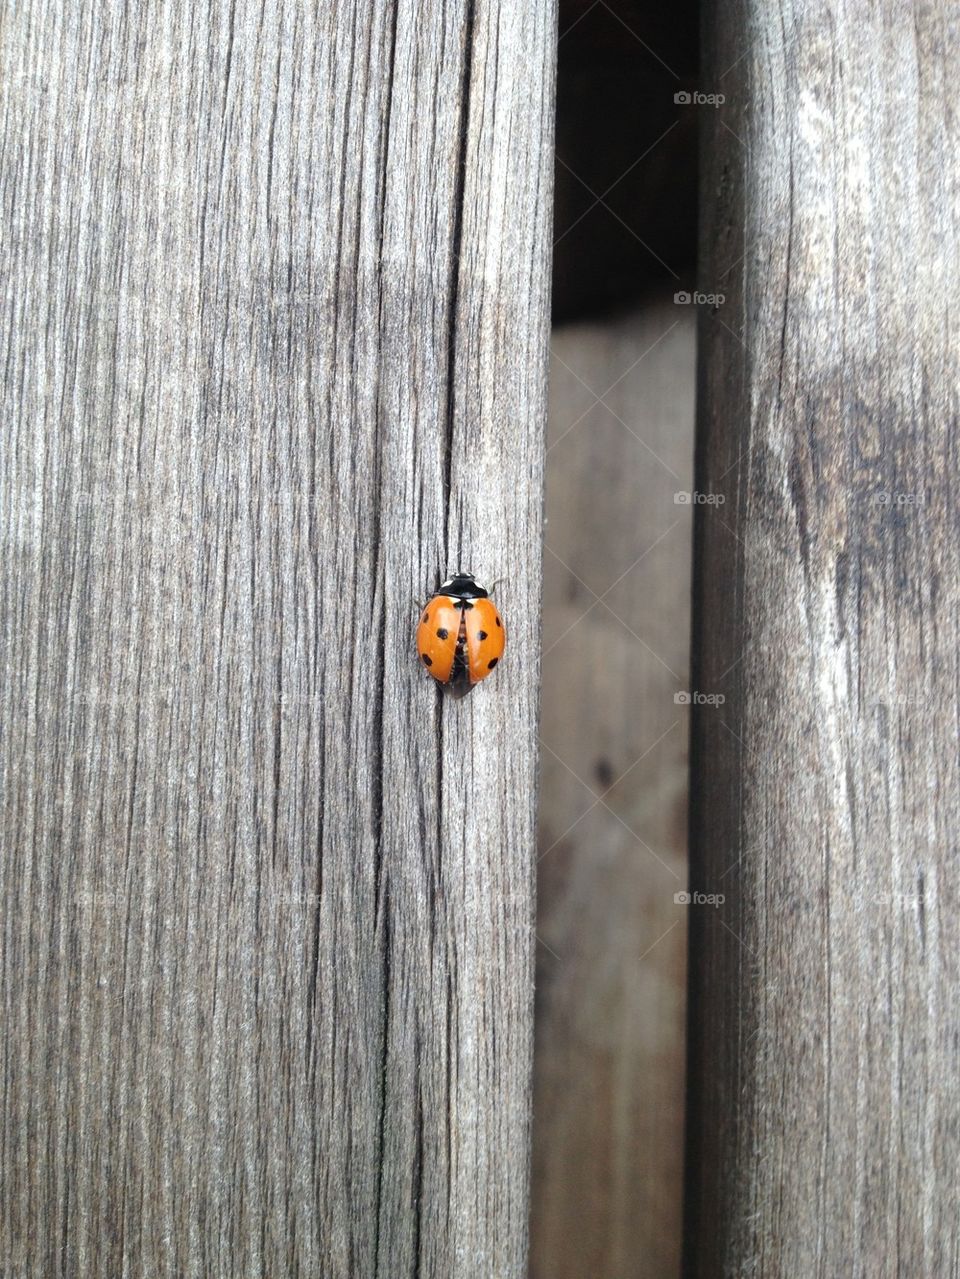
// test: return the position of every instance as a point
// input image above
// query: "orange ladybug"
(460, 636)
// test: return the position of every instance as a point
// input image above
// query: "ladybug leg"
(457, 689)
(431, 591)
(422, 604)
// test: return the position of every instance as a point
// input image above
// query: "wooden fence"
(276, 302)
(824, 1076)
(275, 299)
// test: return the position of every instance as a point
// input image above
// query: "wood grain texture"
(611, 970)
(824, 1116)
(275, 297)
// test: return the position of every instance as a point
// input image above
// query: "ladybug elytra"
(460, 636)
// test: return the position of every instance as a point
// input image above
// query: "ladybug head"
(463, 586)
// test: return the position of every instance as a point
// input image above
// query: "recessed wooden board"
(611, 966)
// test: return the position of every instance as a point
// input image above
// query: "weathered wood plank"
(823, 1117)
(275, 305)
(611, 970)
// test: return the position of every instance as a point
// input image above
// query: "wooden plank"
(611, 998)
(823, 1118)
(275, 302)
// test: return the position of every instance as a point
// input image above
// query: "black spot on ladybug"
(492, 663)
(442, 633)
(425, 618)
(499, 623)
(481, 635)
(465, 604)
(427, 659)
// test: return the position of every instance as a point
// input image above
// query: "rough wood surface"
(274, 348)
(611, 969)
(824, 1116)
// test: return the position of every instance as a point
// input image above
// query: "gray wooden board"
(824, 1115)
(611, 969)
(275, 301)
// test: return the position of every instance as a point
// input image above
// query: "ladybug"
(460, 636)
